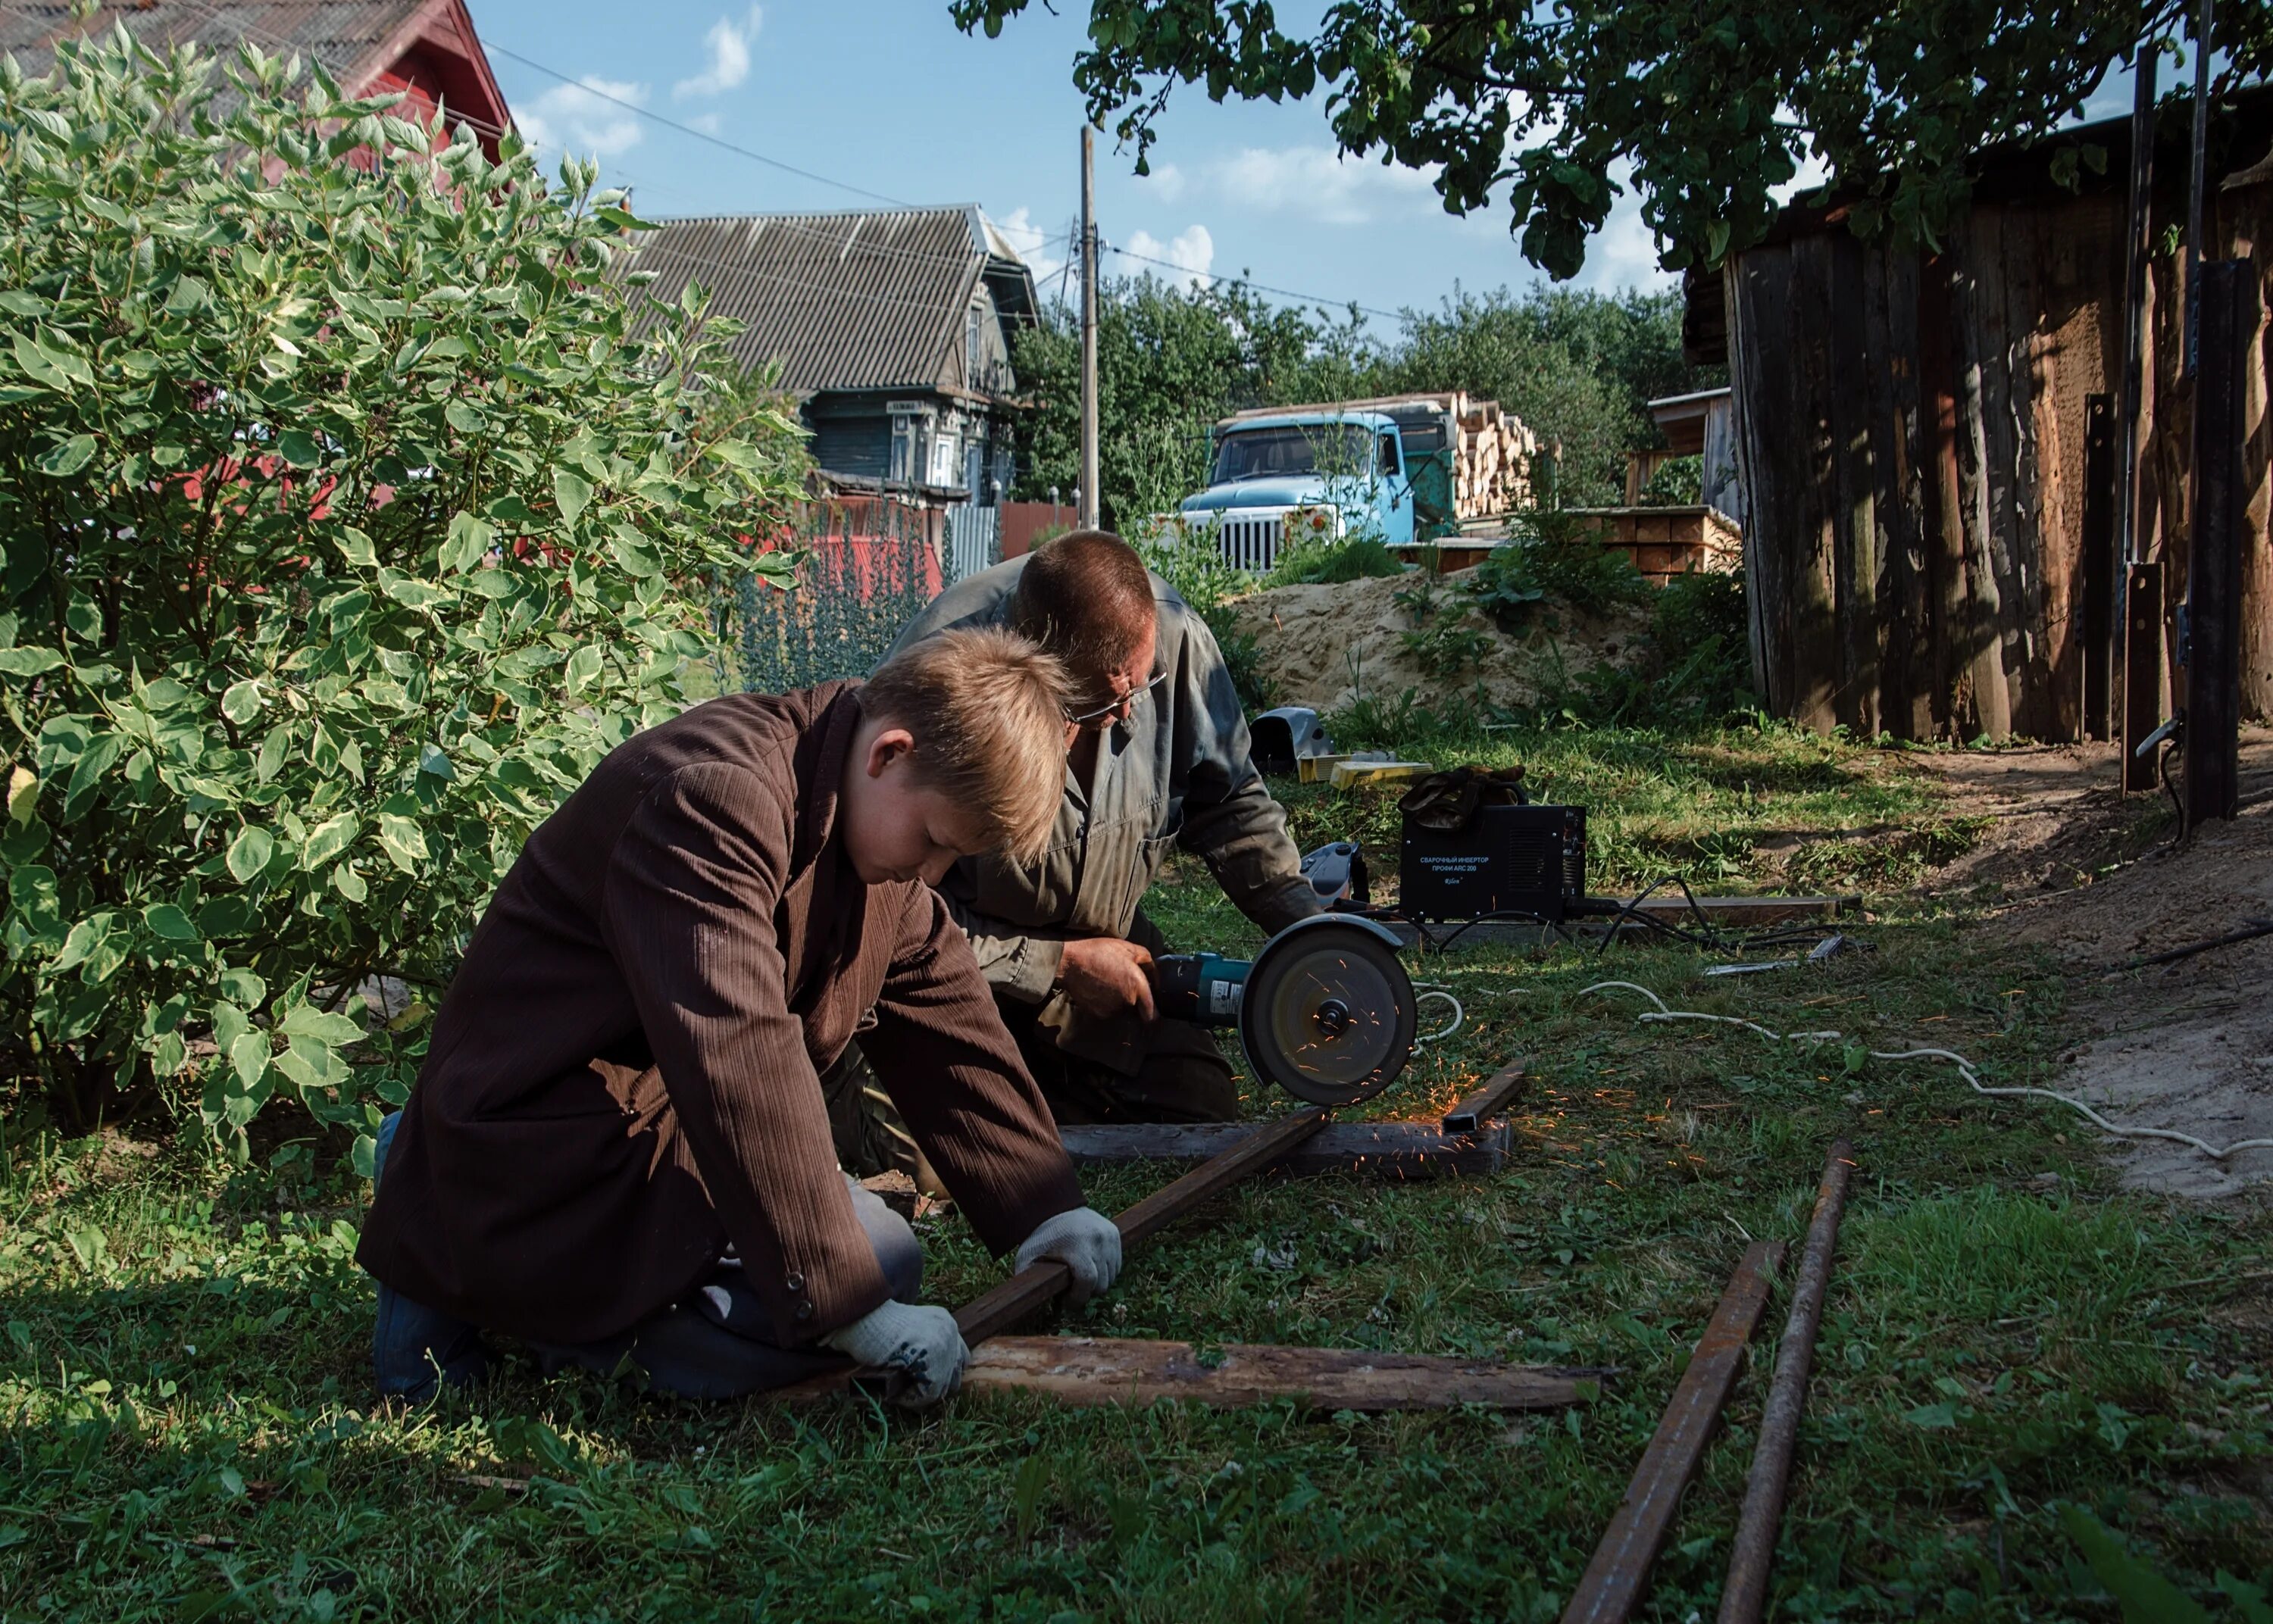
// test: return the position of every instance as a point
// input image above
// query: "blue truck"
(1404, 469)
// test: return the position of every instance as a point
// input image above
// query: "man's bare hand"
(1103, 976)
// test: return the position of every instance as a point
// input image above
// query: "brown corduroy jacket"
(623, 1075)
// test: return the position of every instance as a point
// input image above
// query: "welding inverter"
(1524, 860)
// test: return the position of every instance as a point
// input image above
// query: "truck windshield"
(1309, 448)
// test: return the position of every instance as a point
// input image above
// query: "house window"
(906, 465)
(974, 364)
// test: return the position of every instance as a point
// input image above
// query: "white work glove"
(1086, 1241)
(923, 1340)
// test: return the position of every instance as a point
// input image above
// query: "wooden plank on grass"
(1385, 1150)
(1112, 1370)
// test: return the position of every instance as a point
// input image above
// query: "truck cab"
(1279, 477)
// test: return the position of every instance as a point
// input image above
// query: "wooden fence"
(1911, 428)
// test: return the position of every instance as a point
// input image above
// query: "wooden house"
(1911, 436)
(891, 328)
(425, 48)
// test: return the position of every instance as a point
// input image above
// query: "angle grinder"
(1325, 1011)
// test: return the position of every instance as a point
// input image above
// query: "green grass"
(188, 1431)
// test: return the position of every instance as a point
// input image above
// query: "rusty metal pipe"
(1753, 1558)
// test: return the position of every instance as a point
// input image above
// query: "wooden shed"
(1911, 435)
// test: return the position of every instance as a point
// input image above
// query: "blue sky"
(887, 95)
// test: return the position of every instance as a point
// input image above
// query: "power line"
(1284, 292)
(700, 134)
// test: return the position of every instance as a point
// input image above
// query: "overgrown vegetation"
(1322, 563)
(1577, 367)
(352, 513)
(1192, 562)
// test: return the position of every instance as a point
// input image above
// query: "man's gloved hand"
(923, 1340)
(1086, 1241)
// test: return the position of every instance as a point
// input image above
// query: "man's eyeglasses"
(1110, 706)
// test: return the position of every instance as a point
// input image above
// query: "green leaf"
(624, 543)
(1934, 1418)
(349, 884)
(299, 448)
(23, 793)
(2144, 1595)
(402, 841)
(355, 548)
(468, 544)
(583, 665)
(573, 492)
(328, 839)
(99, 757)
(248, 1057)
(190, 296)
(432, 762)
(165, 919)
(249, 853)
(243, 986)
(2249, 1604)
(69, 456)
(80, 943)
(230, 1023)
(31, 662)
(84, 619)
(242, 703)
(411, 594)
(307, 1021)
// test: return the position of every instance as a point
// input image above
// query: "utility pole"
(1088, 493)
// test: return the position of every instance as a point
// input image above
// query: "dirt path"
(2187, 1046)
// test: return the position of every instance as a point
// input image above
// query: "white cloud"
(708, 124)
(1032, 244)
(1320, 184)
(1165, 182)
(577, 118)
(1183, 259)
(728, 43)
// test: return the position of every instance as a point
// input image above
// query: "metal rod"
(1472, 1113)
(1086, 497)
(1750, 1562)
(1615, 1579)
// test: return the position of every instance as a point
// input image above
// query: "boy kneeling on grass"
(619, 1150)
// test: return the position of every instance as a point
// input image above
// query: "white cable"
(1964, 1069)
(1459, 1015)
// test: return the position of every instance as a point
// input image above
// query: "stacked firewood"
(1494, 453)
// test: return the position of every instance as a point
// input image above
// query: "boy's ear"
(892, 744)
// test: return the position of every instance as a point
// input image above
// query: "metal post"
(2195, 186)
(1087, 494)
(2142, 671)
(2102, 572)
(2227, 319)
(2142, 634)
(1744, 1598)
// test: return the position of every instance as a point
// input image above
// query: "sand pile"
(1324, 646)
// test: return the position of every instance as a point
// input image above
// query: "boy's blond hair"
(987, 709)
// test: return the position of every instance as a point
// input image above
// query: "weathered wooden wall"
(1910, 428)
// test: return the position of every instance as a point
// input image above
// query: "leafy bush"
(1695, 671)
(1677, 482)
(1190, 560)
(1331, 563)
(352, 512)
(1558, 557)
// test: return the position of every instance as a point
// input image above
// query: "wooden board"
(1104, 1370)
(1386, 1149)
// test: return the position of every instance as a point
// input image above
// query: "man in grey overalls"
(1160, 757)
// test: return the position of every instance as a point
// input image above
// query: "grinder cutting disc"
(1328, 1013)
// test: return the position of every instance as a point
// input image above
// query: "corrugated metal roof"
(339, 33)
(867, 299)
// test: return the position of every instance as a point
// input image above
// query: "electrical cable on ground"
(1965, 1069)
(1427, 990)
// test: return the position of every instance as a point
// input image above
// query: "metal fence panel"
(974, 541)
